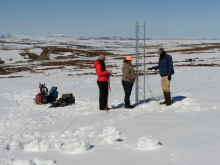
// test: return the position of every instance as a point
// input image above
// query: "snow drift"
(148, 142)
(110, 134)
(76, 146)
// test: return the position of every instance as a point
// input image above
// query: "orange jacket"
(102, 75)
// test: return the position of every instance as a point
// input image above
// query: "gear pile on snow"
(65, 100)
(45, 97)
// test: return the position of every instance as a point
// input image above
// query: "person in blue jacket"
(166, 70)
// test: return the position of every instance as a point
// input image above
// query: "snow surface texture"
(149, 142)
(23, 162)
(36, 161)
(35, 145)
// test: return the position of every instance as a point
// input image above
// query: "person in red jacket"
(102, 81)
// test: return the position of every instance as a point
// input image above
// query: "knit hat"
(101, 57)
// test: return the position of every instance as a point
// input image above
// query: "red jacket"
(102, 75)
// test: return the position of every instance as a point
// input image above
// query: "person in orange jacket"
(102, 81)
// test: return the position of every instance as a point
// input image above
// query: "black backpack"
(44, 93)
(69, 98)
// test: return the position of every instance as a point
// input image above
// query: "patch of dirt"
(3, 71)
(65, 57)
(11, 77)
(87, 53)
(16, 69)
(61, 57)
(60, 67)
(119, 58)
(2, 62)
(44, 55)
(82, 74)
(31, 56)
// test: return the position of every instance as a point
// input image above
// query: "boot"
(128, 106)
(168, 98)
(164, 102)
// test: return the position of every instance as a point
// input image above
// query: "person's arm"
(99, 71)
(170, 65)
(154, 67)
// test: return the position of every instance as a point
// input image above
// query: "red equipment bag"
(38, 98)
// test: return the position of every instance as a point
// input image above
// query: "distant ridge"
(76, 37)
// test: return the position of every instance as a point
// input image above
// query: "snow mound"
(43, 161)
(76, 146)
(109, 130)
(35, 146)
(111, 138)
(31, 142)
(148, 142)
(111, 134)
(23, 162)
(14, 145)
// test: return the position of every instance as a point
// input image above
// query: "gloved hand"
(169, 77)
(110, 72)
(151, 68)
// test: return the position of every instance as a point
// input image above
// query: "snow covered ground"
(11, 56)
(37, 51)
(186, 133)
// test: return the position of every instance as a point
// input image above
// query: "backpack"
(53, 95)
(43, 89)
(69, 98)
(38, 98)
(42, 96)
(65, 100)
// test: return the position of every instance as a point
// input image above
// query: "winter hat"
(161, 49)
(129, 58)
(101, 57)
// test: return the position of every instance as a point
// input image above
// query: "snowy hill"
(18, 38)
(185, 133)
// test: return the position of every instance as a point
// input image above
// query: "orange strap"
(109, 86)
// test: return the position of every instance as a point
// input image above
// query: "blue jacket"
(165, 65)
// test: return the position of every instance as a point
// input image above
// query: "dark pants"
(103, 94)
(127, 88)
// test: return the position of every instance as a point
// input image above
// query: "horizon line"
(130, 38)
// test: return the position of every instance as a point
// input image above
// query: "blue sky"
(164, 18)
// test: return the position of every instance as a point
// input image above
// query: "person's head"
(101, 57)
(161, 51)
(128, 59)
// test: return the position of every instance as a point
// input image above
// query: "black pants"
(103, 94)
(127, 88)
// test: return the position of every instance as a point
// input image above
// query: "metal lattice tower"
(140, 64)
